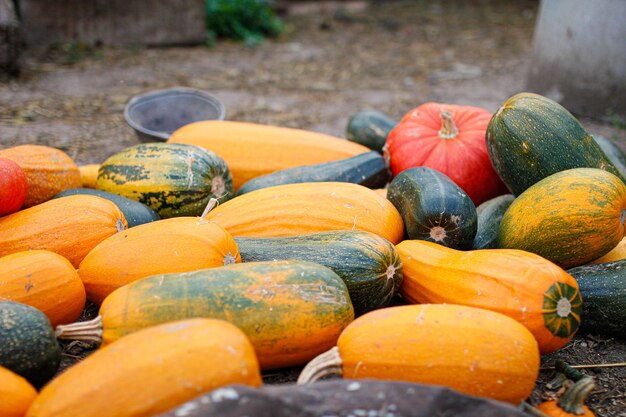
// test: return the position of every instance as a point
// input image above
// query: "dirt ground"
(327, 66)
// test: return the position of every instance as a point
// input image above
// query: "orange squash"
(571, 404)
(48, 171)
(178, 244)
(70, 226)
(381, 192)
(295, 209)
(44, 280)
(252, 150)
(16, 394)
(152, 371)
(474, 351)
(616, 254)
(521, 285)
(89, 175)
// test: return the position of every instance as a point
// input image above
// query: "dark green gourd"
(489, 216)
(370, 128)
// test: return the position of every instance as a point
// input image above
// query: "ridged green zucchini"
(171, 178)
(489, 217)
(290, 310)
(135, 212)
(613, 152)
(532, 137)
(367, 169)
(28, 346)
(433, 207)
(367, 263)
(603, 288)
(370, 128)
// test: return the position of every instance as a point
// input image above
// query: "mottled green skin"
(28, 345)
(489, 216)
(135, 212)
(428, 202)
(532, 137)
(613, 152)
(367, 169)
(603, 288)
(370, 128)
(367, 263)
(242, 294)
(171, 178)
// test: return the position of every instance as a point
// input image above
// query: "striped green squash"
(172, 179)
(367, 263)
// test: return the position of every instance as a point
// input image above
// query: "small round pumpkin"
(16, 394)
(571, 404)
(12, 186)
(451, 140)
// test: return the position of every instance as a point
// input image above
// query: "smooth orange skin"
(381, 192)
(295, 209)
(508, 281)
(616, 254)
(48, 171)
(552, 409)
(151, 371)
(70, 226)
(252, 150)
(474, 351)
(44, 280)
(16, 394)
(89, 175)
(178, 244)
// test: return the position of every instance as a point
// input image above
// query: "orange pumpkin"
(89, 175)
(295, 209)
(152, 371)
(179, 244)
(44, 280)
(252, 150)
(70, 226)
(16, 394)
(12, 187)
(474, 351)
(571, 404)
(521, 285)
(48, 171)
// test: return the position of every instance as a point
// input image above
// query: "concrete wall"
(579, 56)
(113, 22)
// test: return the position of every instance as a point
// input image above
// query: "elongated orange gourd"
(616, 254)
(70, 226)
(521, 285)
(16, 394)
(252, 150)
(151, 371)
(174, 245)
(48, 171)
(89, 175)
(295, 209)
(44, 280)
(471, 350)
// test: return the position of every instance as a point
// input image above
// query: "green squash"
(134, 212)
(489, 217)
(532, 137)
(367, 263)
(173, 179)
(367, 169)
(613, 152)
(434, 208)
(28, 345)
(370, 128)
(603, 288)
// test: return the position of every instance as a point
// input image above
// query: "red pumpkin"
(12, 186)
(450, 139)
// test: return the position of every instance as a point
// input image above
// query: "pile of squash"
(235, 248)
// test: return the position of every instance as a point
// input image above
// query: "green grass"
(250, 21)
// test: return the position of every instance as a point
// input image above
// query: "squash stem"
(90, 331)
(328, 363)
(213, 202)
(574, 398)
(448, 127)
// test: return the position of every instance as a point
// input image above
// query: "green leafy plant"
(245, 20)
